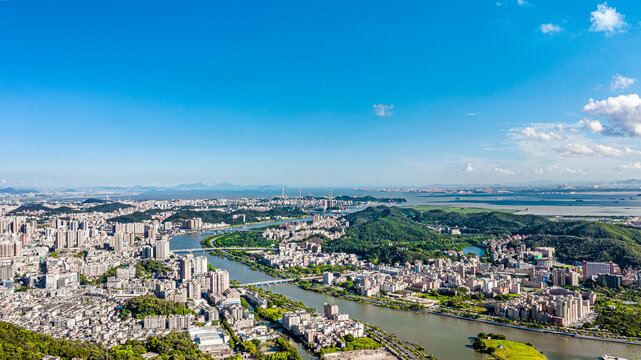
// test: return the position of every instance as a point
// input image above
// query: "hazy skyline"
(329, 93)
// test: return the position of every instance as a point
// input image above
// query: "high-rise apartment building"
(162, 249)
(218, 281)
(185, 268)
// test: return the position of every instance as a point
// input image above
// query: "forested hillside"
(388, 235)
(215, 216)
(573, 240)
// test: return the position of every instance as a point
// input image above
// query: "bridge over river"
(280, 281)
(218, 248)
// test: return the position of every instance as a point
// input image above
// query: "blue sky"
(313, 94)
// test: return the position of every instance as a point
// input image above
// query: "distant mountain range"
(223, 186)
(226, 186)
(10, 190)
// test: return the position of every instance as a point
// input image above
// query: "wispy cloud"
(633, 166)
(595, 150)
(383, 110)
(620, 82)
(532, 133)
(606, 19)
(469, 168)
(522, 2)
(472, 114)
(503, 171)
(550, 28)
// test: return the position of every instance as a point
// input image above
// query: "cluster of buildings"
(554, 305)
(306, 253)
(78, 269)
(320, 331)
(331, 226)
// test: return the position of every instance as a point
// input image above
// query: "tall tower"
(185, 268)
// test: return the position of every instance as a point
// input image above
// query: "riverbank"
(444, 336)
(411, 306)
(543, 331)
(387, 303)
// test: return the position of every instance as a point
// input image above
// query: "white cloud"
(504, 171)
(633, 166)
(620, 82)
(472, 114)
(607, 19)
(383, 110)
(623, 113)
(556, 169)
(522, 2)
(532, 133)
(550, 28)
(4, 181)
(592, 125)
(469, 168)
(595, 150)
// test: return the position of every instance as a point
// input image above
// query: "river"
(445, 337)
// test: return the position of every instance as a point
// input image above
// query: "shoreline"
(520, 327)
(552, 332)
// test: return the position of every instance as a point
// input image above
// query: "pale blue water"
(473, 250)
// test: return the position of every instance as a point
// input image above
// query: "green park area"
(513, 350)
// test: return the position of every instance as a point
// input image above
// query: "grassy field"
(460, 210)
(513, 350)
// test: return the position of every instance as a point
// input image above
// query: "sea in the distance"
(537, 202)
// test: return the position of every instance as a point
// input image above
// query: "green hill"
(389, 235)
(215, 216)
(131, 218)
(40, 207)
(368, 198)
(488, 222)
(573, 240)
(108, 208)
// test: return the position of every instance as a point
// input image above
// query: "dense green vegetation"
(131, 218)
(494, 222)
(174, 346)
(368, 198)
(142, 306)
(500, 348)
(215, 216)
(21, 344)
(352, 343)
(319, 269)
(94, 201)
(573, 240)
(389, 235)
(287, 351)
(243, 239)
(151, 266)
(271, 314)
(618, 311)
(109, 207)
(46, 209)
(102, 279)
